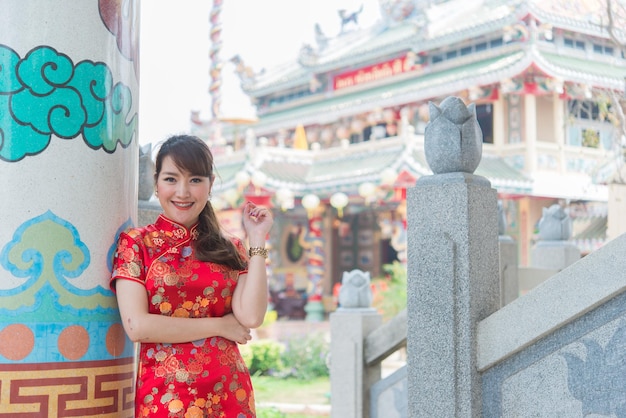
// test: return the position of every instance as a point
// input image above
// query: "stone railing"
(359, 344)
(557, 350)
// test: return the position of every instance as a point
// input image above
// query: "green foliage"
(392, 300)
(300, 358)
(270, 412)
(271, 390)
(306, 358)
(263, 356)
(591, 138)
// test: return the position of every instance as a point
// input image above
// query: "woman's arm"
(142, 326)
(250, 296)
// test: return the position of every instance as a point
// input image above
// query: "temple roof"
(327, 171)
(483, 69)
(440, 26)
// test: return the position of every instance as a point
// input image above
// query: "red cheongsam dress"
(205, 378)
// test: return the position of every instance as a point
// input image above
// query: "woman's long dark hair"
(193, 155)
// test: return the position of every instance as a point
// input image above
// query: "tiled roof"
(503, 177)
(418, 87)
(442, 82)
(582, 69)
(448, 23)
(343, 169)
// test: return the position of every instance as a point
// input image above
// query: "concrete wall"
(559, 350)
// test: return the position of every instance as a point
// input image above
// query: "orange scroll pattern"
(83, 389)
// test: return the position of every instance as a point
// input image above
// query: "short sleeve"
(128, 260)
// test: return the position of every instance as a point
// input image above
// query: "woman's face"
(181, 194)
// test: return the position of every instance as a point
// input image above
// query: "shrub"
(263, 356)
(392, 300)
(300, 358)
(306, 358)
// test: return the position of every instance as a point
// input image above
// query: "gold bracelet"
(257, 251)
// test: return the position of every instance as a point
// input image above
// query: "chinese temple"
(338, 133)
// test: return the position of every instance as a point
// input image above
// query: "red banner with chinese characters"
(377, 72)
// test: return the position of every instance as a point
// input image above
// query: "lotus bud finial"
(453, 138)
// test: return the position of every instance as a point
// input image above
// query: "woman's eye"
(169, 179)
(196, 180)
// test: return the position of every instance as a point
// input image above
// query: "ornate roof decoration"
(437, 26)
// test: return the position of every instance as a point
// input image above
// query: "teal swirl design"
(46, 256)
(45, 94)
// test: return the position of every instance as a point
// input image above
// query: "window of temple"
(603, 49)
(588, 125)
(484, 114)
(573, 43)
(460, 51)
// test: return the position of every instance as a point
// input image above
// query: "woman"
(188, 294)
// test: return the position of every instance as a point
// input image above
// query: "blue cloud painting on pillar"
(45, 93)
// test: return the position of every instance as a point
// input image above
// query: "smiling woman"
(182, 195)
(184, 267)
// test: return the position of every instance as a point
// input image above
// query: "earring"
(156, 192)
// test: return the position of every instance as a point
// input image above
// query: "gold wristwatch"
(262, 251)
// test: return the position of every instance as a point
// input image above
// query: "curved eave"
(481, 22)
(327, 171)
(503, 177)
(226, 168)
(447, 81)
(368, 45)
(431, 83)
(389, 42)
(290, 76)
(380, 41)
(577, 22)
(582, 70)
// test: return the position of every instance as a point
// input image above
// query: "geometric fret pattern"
(80, 389)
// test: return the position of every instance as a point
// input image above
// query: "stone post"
(452, 267)
(553, 250)
(350, 378)
(68, 160)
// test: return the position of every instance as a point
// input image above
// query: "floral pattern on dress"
(205, 378)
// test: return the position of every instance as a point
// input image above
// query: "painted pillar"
(315, 267)
(69, 75)
(215, 89)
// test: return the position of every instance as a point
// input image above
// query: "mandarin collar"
(180, 232)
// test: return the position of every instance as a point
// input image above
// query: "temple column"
(69, 77)
(530, 133)
(499, 131)
(558, 111)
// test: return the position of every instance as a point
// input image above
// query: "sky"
(175, 45)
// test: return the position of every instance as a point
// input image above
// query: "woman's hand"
(257, 222)
(234, 331)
